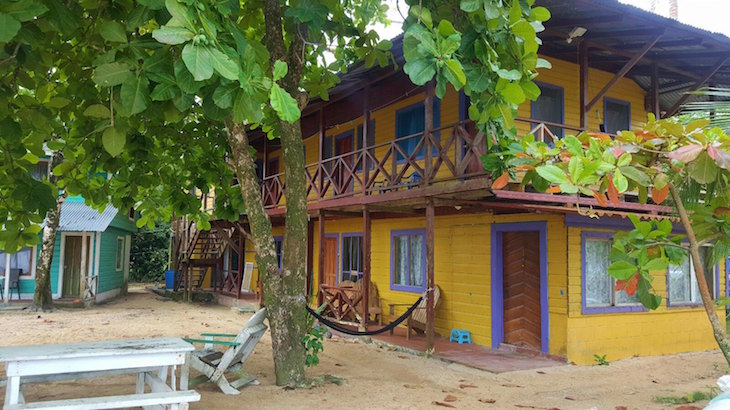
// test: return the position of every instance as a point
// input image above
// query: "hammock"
(336, 327)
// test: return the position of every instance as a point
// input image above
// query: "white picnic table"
(150, 359)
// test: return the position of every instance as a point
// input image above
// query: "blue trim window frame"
(613, 305)
(695, 300)
(279, 244)
(559, 132)
(351, 264)
(405, 276)
(418, 111)
(613, 130)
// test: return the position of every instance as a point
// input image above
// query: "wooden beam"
(655, 91)
(696, 86)
(623, 71)
(366, 248)
(583, 69)
(310, 255)
(365, 133)
(320, 274)
(430, 307)
(320, 146)
(626, 33)
(572, 22)
(675, 86)
(428, 126)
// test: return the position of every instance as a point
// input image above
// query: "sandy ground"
(376, 377)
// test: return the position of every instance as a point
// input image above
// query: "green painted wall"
(109, 277)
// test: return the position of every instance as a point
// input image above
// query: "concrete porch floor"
(472, 355)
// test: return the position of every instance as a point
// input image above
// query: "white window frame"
(613, 305)
(119, 254)
(694, 296)
(33, 263)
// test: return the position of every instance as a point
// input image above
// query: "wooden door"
(521, 289)
(330, 261)
(71, 267)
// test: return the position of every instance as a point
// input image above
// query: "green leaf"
(135, 94)
(113, 141)
(223, 65)
(541, 14)
(181, 13)
(97, 111)
(455, 74)
(512, 93)
(531, 90)
(153, 4)
(622, 184)
(658, 264)
(649, 300)
(512, 75)
(223, 96)
(198, 61)
(9, 27)
(470, 6)
(622, 270)
(703, 170)
(542, 63)
(58, 102)
(446, 28)
(172, 35)
(553, 174)
(111, 74)
(113, 32)
(284, 104)
(420, 71)
(635, 175)
(573, 145)
(280, 70)
(524, 29)
(25, 10)
(164, 92)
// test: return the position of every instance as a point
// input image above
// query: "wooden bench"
(150, 359)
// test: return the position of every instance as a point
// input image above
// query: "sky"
(710, 15)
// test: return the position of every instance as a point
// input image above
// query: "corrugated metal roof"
(76, 216)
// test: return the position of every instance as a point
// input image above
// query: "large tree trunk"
(43, 296)
(718, 326)
(284, 305)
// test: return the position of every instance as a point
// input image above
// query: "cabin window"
(279, 243)
(616, 115)
(408, 264)
(351, 257)
(682, 286)
(40, 171)
(411, 120)
(599, 288)
(119, 259)
(550, 107)
(19, 260)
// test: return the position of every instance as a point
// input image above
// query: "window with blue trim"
(682, 288)
(279, 243)
(550, 107)
(616, 115)
(411, 120)
(408, 264)
(352, 257)
(600, 287)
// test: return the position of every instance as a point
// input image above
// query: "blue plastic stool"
(461, 336)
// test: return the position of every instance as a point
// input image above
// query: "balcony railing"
(448, 153)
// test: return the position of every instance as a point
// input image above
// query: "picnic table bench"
(150, 359)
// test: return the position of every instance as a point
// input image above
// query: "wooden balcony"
(448, 154)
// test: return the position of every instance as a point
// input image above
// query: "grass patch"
(693, 397)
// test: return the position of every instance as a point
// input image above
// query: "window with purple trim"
(351, 257)
(599, 285)
(682, 286)
(408, 262)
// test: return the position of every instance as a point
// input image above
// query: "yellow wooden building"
(390, 167)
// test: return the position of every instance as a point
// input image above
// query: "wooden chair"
(417, 320)
(375, 306)
(214, 364)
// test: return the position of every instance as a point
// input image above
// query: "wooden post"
(320, 154)
(428, 126)
(430, 313)
(320, 274)
(310, 255)
(241, 262)
(84, 252)
(366, 233)
(655, 108)
(365, 133)
(584, 69)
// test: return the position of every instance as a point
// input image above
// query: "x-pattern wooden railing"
(454, 152)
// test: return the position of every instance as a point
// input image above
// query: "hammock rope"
(338, 328)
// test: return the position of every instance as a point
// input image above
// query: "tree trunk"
(284, 305)
(718, 326)
(43, 297)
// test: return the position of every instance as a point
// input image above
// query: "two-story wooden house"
(392, 169)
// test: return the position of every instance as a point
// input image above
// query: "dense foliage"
(149, 253)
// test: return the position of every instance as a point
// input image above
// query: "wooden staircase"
(198, 252)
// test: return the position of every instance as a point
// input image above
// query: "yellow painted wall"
(462, 265)
(618, 335)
